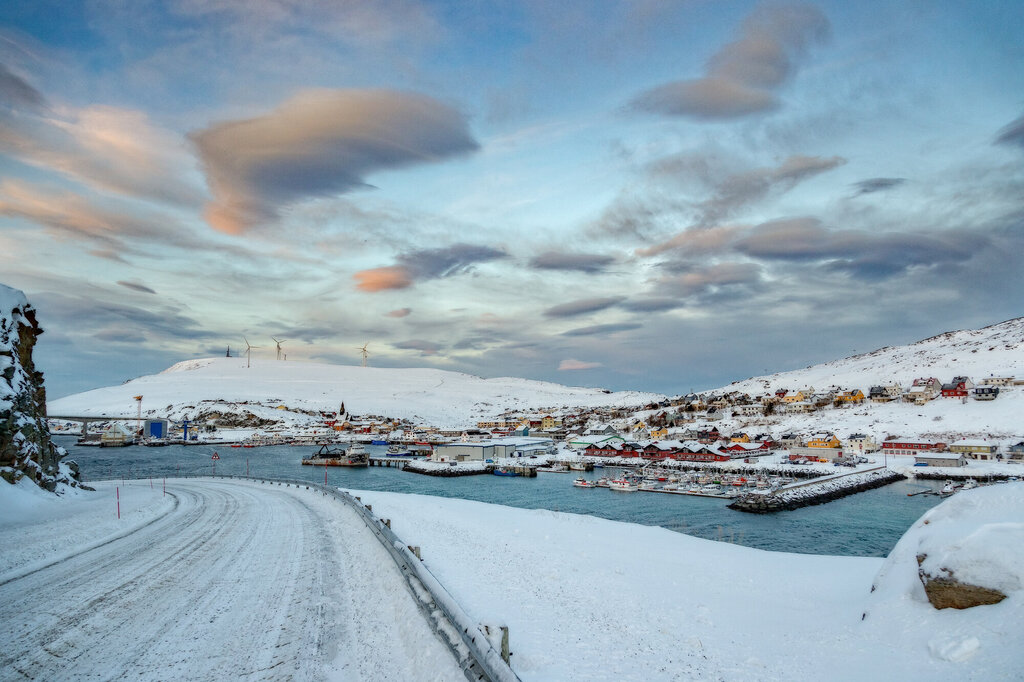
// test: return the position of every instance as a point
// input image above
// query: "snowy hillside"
(430, 396)
(976, 353)
(996, 350)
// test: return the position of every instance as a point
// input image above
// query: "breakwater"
(818, 492)
(449, 470)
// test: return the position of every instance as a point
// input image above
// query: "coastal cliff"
(25, 447)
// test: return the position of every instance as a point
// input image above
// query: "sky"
(628, 194)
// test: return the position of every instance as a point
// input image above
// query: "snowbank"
(591, 599)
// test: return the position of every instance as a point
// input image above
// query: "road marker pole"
(117, 491)
(165, 487)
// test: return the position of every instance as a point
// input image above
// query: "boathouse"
(941, 459)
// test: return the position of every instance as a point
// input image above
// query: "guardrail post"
(369, 507)
(387, 522)
(505, 653)
(416, 551)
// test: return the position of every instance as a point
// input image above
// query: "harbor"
(866, 524)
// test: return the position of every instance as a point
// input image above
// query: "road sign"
(215, 456)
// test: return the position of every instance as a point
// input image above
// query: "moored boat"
(502, 471)
(623, 485)
(328, 456)
(584, 483)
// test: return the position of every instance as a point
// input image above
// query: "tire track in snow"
(240, 581)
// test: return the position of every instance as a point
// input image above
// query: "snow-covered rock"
(25, 447)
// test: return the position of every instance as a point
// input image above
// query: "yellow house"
(854, 396)
(824, 440)
(792, 397)
(549, 422)
(739, 438)
(658, 434)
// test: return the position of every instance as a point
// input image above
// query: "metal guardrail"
(478, 658)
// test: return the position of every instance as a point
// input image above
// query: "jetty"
(818, 491)
(476, 468)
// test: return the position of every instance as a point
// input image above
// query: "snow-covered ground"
(592, 599)
(428, 396)
(215, 580)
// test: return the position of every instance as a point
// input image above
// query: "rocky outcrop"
(946, 592)
(25, 446)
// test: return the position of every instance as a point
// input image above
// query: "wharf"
(394, 462)
(816, 492)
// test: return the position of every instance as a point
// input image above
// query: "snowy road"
(222, 580)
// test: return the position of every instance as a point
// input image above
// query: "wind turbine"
(365, 352)
(279, 348)
(248, 352)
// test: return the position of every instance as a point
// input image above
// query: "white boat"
(711, 489)
(648, 485)
(584, 483)
(623, 485)
(969, 484)
(950, 488)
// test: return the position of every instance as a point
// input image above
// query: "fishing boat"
(502, 471)
(555, 469)
(396, 450)
(584, 483)
(623, 485)
(969, 484)
(950, 488)
(328, 456)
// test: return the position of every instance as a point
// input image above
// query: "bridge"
(85, 421)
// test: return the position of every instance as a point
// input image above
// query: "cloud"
(1012, 133)
(401, 312)
(698, 280)
(106, 148)
(655, 304)
(570, 365)
(695, 240)
(864, 254)
(583, 306)
(743, 76)
(590, 263)
(425, 347)
(602, 329)
(426, 264)
(320, 143)
(137, 287)
(381, 279)
(15, 92)
(872, 185)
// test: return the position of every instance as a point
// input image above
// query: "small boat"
(396, 450)
(603, 482)
(584, 483)
(950, 488)
(648, 485)
(969, 484)
(502, 471)
(623, 485)
(378, 442)
(555, 469)
(355, 456)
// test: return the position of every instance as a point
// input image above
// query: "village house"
(823, 440)
(908, 446)
(941, 459)
(739, 437)
(799, 407)
(986, 392)
(860, 443)
(794, 397)
(755, 410)
(922, 390)
(997, 381)
(975, 449)
(1015, 453)
(854, 397)
(958, 388)
(885, 393)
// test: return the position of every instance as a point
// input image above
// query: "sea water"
(865, 524)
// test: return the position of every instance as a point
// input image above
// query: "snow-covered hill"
(995, 350)
(430, 396)
(977, 353)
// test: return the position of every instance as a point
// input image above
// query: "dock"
(392, 462)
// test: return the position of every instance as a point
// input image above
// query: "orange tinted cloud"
(381, 279)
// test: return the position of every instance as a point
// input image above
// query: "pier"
(391, 462)
(816, 492)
